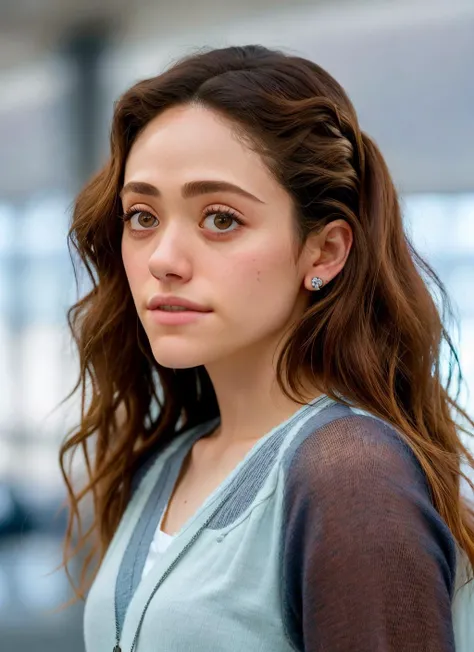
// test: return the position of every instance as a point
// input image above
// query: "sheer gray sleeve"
(367, 563)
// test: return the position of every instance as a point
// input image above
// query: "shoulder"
(354, 484)
(347, 449)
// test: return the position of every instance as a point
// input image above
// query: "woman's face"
(208, 223)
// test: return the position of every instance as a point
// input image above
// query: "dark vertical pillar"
(84, 48)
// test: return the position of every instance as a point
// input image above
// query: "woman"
(275, 463)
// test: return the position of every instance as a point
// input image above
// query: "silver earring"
(317, 283)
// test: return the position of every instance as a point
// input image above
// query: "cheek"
(256, 277)
(135, 269)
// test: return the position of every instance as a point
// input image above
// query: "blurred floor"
(28, 595)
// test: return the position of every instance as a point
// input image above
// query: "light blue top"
(322, 538)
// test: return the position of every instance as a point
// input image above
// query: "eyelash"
(227, 212)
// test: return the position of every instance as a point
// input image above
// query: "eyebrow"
(190, 189)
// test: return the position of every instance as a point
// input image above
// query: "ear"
(326, 252)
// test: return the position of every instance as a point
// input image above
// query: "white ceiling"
(407, 67)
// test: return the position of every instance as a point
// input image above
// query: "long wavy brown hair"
(376, 334)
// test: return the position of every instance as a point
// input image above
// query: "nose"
(171, 259)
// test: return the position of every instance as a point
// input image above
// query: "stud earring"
(317, 283)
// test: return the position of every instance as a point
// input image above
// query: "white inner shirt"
(160, 543)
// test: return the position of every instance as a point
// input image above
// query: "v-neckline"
(214, 495)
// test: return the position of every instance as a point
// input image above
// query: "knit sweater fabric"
(323, 538)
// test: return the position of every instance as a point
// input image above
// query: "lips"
(157, 301)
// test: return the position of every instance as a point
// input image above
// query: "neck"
(250, 400)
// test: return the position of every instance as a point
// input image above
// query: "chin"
(177, 358)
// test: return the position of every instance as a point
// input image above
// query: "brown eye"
(146, 220)
(223, 221)
(141, 220)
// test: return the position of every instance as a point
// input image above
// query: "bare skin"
(203, 470)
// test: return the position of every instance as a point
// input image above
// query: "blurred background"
(408, 69)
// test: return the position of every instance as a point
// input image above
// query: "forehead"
(193, 140)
